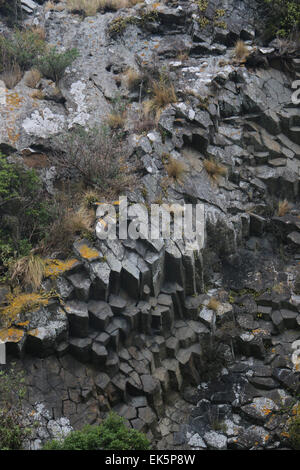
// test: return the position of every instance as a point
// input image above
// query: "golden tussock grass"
(132, 78)
(116, 119)
(283, 208)
(12, 76)
(162, 95)
(91, 7)
(39, 31)
(28, 271)
(50, 6)
(241, 51)
(32, 78)
(215, 170)
(213, 304)
(72, 223)
(37, 94)
(175, 168)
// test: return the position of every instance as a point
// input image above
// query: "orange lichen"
(88, 253)
(12, 135)
(22, 303)
(55, 267)
(23, 323)
(13, 100)
(266, 411)
(259, 331)
(11, 335)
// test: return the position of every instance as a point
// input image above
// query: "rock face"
(138, 319)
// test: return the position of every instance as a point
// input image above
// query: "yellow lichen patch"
(11, 334)
(22, 303)
(88, 253)
(55, 267)
(13, 100)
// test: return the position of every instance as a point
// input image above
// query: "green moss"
(294, 432)
(283, 17)
(118, 25)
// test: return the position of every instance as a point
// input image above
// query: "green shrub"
(12, 434)
(284, 17)
(53, 64)
(97, 156)
(24, 211)
(294, 432)
(12, 391)
(112, 434)
(23, 48)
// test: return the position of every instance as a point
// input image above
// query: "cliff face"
(196, 347)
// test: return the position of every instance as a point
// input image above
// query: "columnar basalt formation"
(135, 322)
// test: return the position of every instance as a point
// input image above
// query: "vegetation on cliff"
(12, 391)
(111, 434)
(284, 17)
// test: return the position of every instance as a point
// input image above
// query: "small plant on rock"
(132, 78)
(32, 78)
(23, 48)
(241, 51)
(175, 168)
(214, 169)
(294, 432)
(12, 75)
(163, 93)
(283, 208)
(213, 304)
(27, 271)
(54, 63)
(99, 157)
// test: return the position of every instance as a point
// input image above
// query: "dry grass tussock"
(32, 78)
(28, 271)
(54, 6)
(99, 158)
(12, 75)
(175, 168)
(39, 31)
(132, 78)
(215, 170)
(283, 208)
(163, 93)
(241, 51)
(213, 304)
(72, 223)
(91, 7)
(116, 119)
